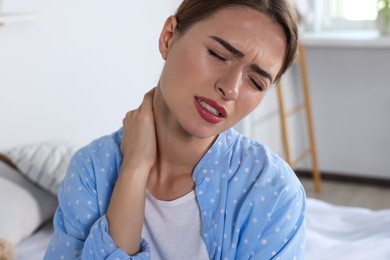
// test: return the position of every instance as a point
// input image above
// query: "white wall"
(76, 71)
(351, 92)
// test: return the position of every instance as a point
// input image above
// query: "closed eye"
(213, 53)
(257, 85)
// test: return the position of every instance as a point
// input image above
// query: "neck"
(178, 151)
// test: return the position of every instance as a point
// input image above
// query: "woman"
(176, 181)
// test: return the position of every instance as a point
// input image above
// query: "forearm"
(125, 214)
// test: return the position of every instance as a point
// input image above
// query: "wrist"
(135, 171)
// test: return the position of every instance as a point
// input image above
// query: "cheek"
(194, 63)
(249, 102)
(176, 72)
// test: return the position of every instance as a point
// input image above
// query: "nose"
(228, 85)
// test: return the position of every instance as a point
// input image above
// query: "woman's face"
(219, 70)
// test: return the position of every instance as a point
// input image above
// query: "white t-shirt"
(173, 228)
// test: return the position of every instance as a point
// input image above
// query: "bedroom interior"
(69, 71)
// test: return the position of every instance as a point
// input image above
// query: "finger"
(148, 100)
(127, 116)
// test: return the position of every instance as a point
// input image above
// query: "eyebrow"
(239, 54)
(228, 46)
(262, 72)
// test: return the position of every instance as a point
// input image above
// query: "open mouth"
(209, 108)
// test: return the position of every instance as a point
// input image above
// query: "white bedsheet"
(344, 233)
(333, 232)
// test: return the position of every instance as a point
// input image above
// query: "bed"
(333, 232)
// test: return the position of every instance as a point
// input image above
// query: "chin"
(203, 132)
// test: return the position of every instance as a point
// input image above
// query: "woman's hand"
(139, 136)
(125, 213)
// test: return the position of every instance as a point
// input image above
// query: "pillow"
(43, 163)
(23, 205)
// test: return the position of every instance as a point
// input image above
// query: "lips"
(209, 110)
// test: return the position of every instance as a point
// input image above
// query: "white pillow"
(23, 205)
(43, 163)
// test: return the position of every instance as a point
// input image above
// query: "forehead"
(252, 32)
(242, 20)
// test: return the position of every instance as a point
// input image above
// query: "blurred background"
(71, 69)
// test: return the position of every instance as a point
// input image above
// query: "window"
(346, 14)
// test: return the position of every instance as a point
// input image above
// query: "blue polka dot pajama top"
(251, 203)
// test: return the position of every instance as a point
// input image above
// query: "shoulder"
(102, 145)
(101, 150)
(92, 172)
(250, 149)
(251, 155)
(265, 174)
(99, 158)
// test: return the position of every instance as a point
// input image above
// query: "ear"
(166, 36)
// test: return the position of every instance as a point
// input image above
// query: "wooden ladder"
(306, 107)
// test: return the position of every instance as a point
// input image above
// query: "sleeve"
(284, 235)
(80, 231)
